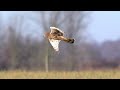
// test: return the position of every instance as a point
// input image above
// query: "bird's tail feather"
(70, 40)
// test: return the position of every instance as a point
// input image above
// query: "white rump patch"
(55, 44)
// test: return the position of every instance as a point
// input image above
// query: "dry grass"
(88, 74)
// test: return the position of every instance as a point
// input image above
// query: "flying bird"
(55, 35)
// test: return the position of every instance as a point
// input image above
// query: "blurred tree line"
(19, 52)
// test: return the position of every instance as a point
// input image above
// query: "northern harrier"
(55, 36)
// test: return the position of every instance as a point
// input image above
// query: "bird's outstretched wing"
(56, 31)
(55, 44)
(55, 36)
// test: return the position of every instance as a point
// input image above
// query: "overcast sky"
(105, 25)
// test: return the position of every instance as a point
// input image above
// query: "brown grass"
(87, 74)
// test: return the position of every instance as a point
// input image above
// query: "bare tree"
(71, 22)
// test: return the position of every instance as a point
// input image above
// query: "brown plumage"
(55, 36)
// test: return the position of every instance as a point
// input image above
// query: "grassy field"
(88, 74)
